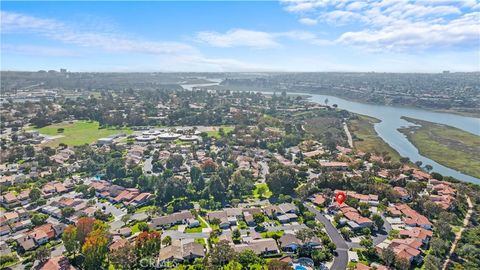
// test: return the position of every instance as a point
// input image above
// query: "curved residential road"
(341, 260)
(459, 234)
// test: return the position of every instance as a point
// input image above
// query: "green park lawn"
(79, 132)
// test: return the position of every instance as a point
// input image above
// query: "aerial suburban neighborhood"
(240, 135)
(202, 179)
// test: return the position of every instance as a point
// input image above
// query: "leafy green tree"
(402, 264)
(220, 255)
(69, 238)
(282, 181)
(167, 241)
(346, 233)
(39, 219)
(320, 255)
(388, 256)
(241, 183)
(366, 242)
(126, 218)
(115, 168)
(35, 194)
(29, 151)
(247, 257)
(197, 179)
(305, 234)
(143, 226)
(233, 265)
(258, 218)
(67, 212)
(42, 253)
(377, 219)
(123, 257)
(444, 229)
(261, 191)
(175, 161)
(432, 262)
(438, 247)
(216, 188)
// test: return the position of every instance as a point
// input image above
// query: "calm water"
(391, 121)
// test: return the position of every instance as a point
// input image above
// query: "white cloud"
(38, 50)
(356, 6)
(308, 21)
(462, 31)
(166, 55)
(253, 39)
(397, 24)
(51, 29)
(342, 17)
(238, 38)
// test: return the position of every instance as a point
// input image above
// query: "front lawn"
(196, 229)
(144, 208)
(135, 228)
(271, 234)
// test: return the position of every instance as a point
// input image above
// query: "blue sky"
(290, 35)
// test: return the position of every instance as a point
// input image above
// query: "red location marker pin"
(340, 197)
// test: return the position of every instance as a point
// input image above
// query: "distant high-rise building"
(63, 70)
(446, 71)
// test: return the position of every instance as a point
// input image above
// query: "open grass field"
(79, 132)
(366, 139)
(216, 134)
(449, 146)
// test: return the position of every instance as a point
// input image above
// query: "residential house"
(121, 242)
(289, 242)
(413, 218)
(181, 251)
(262, 247)
(221, 216)
(170, 220)
(334, 166)
(26, 243)
(318, 199)
(56, 263)
(403, 193)
(9, 200)
(417, 233)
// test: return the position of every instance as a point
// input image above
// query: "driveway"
(109, 208)
(340, 260)
(57, 251)
(147, 165)
(264, 170)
